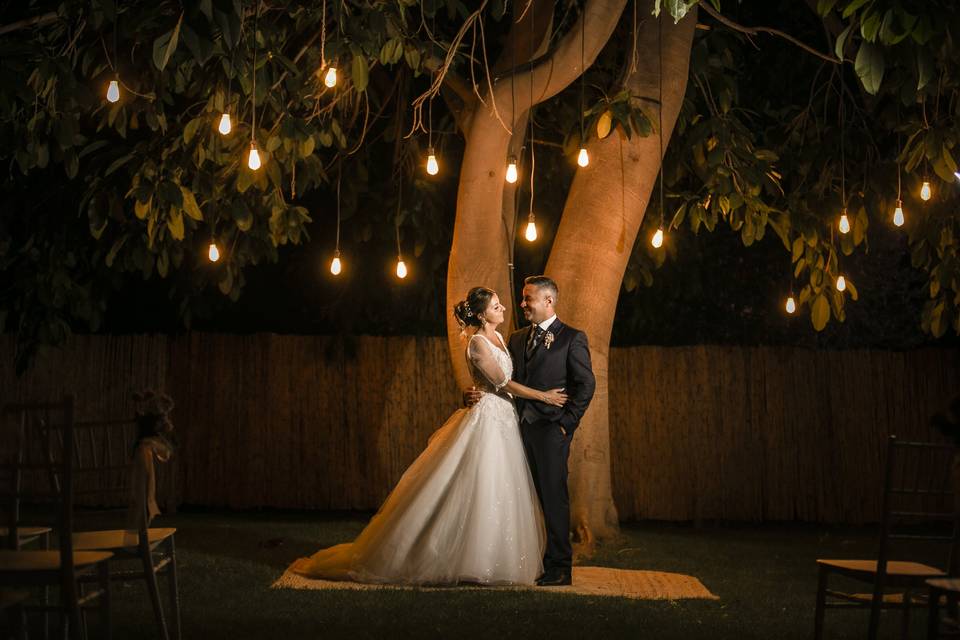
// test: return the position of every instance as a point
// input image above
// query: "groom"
(548, 354)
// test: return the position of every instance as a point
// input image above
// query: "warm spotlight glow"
(925, 191)
(213, 252)
(841, 283)
(898, 214)
(583, 159)
(957, 174)
(657, 239)
(225, 125)
(791, 305)
(432, 167)
(512, 170)
(253, 161)
(330, 79)
(844, 222)
(401, 269)
(531, 232)
(113, 91)
(335, 266)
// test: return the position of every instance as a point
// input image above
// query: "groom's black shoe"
(554, 579)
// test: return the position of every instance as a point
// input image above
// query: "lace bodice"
(490, 365)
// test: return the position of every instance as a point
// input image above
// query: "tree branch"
(35, 21)
(755, 30)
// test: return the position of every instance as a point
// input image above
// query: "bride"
(466, 510)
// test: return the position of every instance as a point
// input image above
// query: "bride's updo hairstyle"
(467, 312)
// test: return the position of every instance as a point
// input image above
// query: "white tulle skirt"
(465, 511)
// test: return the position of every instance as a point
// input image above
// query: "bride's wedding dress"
(465, 511)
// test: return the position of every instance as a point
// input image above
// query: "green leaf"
(306, 147)
(175, 224)
(870, 67)
(190, 206)
(165, 45)
(924, 69)
(825, 6)
(853, 6)
(190, 130)
(852, 290)
(870, 27)
(360, 73)
(115, 249)
(841, 42)
(820, 312)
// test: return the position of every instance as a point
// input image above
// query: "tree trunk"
(609, 198)
(480, 252)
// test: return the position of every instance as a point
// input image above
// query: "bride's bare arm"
(555, 397)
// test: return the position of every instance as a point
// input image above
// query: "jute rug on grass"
(587, 581)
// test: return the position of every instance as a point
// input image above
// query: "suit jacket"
(565, 364)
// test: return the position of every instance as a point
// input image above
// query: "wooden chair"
(37, 468)
(918, 505)
(110, 459)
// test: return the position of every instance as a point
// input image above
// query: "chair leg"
(876, 604)
(905, 619)
(151, 577)
(106, 625)
(174, 589)
(821, 603)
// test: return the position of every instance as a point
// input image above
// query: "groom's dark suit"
(564, 363)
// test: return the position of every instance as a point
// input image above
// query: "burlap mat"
(587, 581)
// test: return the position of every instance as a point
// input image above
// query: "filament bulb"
(844, 222)
(657, 239)
(512, 170)
(113, 91)
(583, 159)
(330, 79)
(253, 161)
(791, 305)
(335, 266)
(925, 191)
(841, 283)
(401, 269)
(225, 125)
(213, 252)
(898, 214)
(432, 167)
(531, 232)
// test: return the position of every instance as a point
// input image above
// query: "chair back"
(920, 499)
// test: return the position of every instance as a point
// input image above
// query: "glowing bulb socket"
(253, 160)
(113, 91)
(657, 239)
(330, 79)
(583, 159)
(225, 125)
(432, 167)
(512, 170)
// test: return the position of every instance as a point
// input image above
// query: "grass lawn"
(765, 577)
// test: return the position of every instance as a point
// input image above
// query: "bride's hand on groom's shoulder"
(556, 397)
(471, 396)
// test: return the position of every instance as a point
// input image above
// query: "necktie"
(535, 337)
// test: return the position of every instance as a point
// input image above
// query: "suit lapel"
(555, 328)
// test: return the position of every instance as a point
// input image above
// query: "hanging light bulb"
(957, 174)
(791, 305)
(213, 252)
(335, 266)
(925, 191)
(583, 159)
(225, 126)
(253, 161)
(401, 268)
(898, 214)
(330, 79)
(531, 233)
(512, 169)
(844, 222)
(841, 283)
(432, 167)
(113, 91)
(657, 239)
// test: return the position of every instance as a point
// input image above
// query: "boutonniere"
(547, 340)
